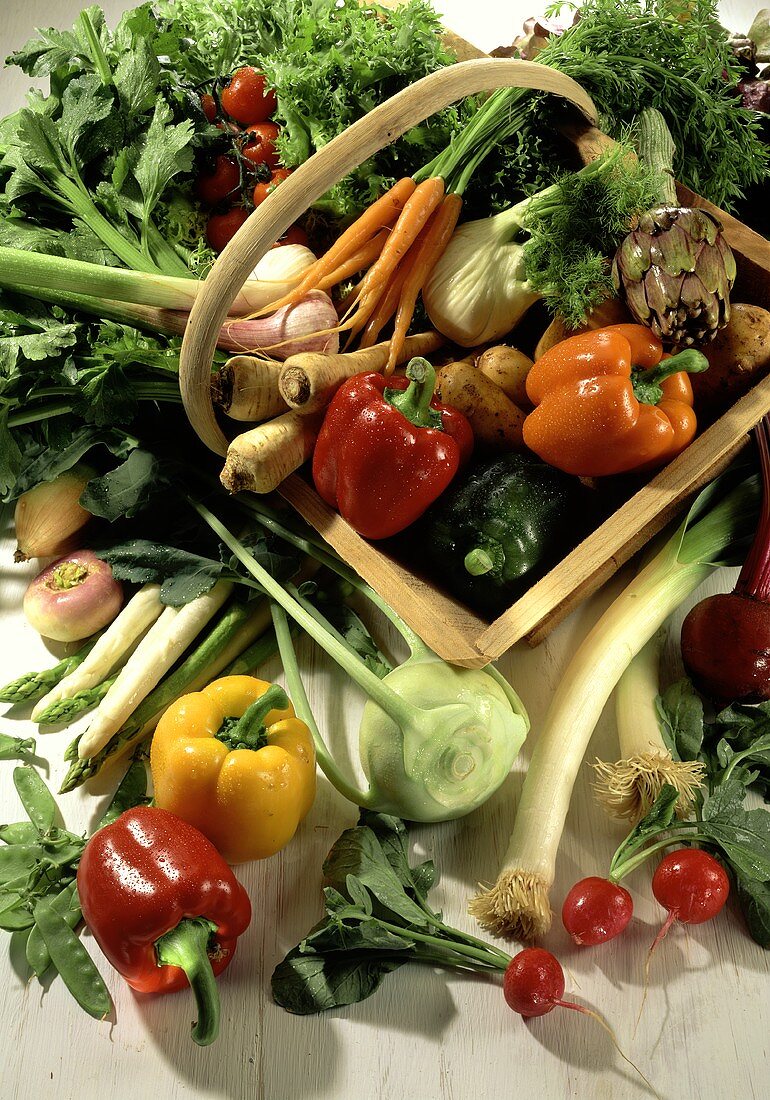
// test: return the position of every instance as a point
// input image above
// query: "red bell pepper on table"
(164, 907)
(387, 450)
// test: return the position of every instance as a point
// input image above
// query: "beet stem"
(754, 579)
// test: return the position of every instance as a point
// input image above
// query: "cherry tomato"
(245, 98)
(220, 228)
(222, 183)
(259, 146)
(263, 189)
(209, 106)
(294, 235)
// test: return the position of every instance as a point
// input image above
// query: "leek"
(628, 787)
(518, 903)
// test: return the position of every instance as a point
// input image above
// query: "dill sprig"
(576, 225)
(675, 56)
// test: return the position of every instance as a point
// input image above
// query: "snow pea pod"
(67, 905)
(36, 798)
(73, 962)
(20, 832)
(16, 748)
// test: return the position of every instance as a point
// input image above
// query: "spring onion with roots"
(720, 520)
(628, 788)
(435, 740)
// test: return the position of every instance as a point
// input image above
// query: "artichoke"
(674, 269)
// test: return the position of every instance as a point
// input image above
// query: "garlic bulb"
(48, 516)
(478, 292)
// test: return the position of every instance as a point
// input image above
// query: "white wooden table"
(426, 1035)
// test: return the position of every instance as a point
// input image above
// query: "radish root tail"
(516, 906)
(628, 788)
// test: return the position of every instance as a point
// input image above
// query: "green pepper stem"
(414, 401)
(478, 562)
(302, 708)
(647, 383)
(186, 946)
(252, 721)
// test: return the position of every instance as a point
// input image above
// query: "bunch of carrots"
(397, 241)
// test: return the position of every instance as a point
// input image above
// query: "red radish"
(691, 885)
(533, 985)
(596, 910)
(73, 597)
(739, 671)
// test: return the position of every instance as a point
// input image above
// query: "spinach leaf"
(182, 575)
(680, 716)
(358, 853)
(754, 898)
(743, 835)
(125, 490)
(307, 982)
(394, 841)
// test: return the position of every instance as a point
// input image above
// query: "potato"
(495, 420)
(738, 356)
(610, 312)
(507, 368)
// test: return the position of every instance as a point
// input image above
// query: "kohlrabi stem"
(302, 707)
(656, 148)
(754, 578)
(403, 713)
(319, 617)
(315, 548)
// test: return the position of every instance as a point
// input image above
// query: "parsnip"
(246, 388)
(495, 420)
(139, 613)
(165, 642)
(259, 460)
(309, 381)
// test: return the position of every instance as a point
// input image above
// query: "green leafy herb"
(680, 717)
(377, 919)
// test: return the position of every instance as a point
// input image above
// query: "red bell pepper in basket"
(164, 907)
(387, 450)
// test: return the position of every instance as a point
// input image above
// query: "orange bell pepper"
(610, 401)
(235, 762)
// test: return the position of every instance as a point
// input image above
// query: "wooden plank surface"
(426, 1035)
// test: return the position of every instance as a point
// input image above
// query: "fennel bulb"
(478, 291)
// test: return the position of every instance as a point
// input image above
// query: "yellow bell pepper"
(246, 784)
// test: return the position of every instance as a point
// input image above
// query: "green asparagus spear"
(67, 710)
(206, 661)
(34, 685)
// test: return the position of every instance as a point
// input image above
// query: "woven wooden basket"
(451, 629)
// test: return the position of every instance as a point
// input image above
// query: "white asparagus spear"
(164, 643)
(140, 612)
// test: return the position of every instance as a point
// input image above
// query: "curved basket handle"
(328, 166)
